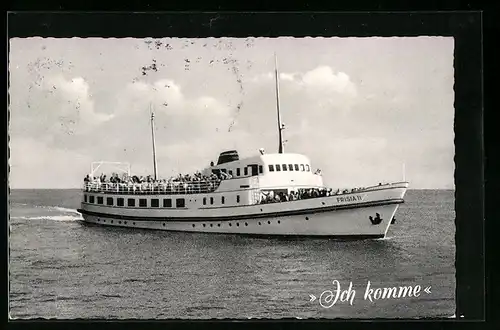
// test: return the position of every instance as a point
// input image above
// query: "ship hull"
(363, 214)
(344, 223)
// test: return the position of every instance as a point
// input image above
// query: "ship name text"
(353, 198)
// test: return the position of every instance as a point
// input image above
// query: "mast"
(280, 125)
(154, 144)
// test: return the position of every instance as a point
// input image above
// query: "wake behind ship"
(266, 194)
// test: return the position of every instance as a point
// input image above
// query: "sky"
(359, 108)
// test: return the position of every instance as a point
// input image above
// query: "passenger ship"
(234, 204)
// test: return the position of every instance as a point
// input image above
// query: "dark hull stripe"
(275, 236)
(246, 216)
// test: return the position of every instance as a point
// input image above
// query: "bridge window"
(131, 202)
(91, 199)
(120, 202)
(167, 202)
(302, 167)
(109, 201)
(290, 167)
(284, 167)
(296, 167)
(261, 169)
(237, 198)
(245, 171)
(143, 202)
(238, 172)
(180, 202)
(204, 201)
(85, 198)
(278, 167)
(271, 168)
(211, 200)
(308, 168)
(222, 200)
(100, 200)
(155, 202)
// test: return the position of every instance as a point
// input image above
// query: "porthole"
(269, 222)
(203, 225)
(164, 224)
(218, 224)
(104, 220)
(211, 225)
(260, 209)
(237, 224)
(307, 218)
(193, 225)
(230, 225)
(119, 222)
(279, 221)
(260, 223)
(111, 221)
(125, 222)
(133, 223)
(246, 224)
(323, 203)
(98, 220)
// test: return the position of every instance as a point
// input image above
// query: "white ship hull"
(341, 216)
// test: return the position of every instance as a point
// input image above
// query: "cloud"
(287, 76)
(321, 91)
(324, 79)
(321, 80)
(167, 97)
(33, 164)
(179, 121)
(55, 109)
(79, 99)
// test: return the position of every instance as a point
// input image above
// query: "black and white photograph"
(231, 178)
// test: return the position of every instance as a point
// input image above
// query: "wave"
(56, 208)
(65, 209)
(387, 238)
(51, 217)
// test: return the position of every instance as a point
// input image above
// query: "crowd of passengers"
(148, 182)
(304, 194)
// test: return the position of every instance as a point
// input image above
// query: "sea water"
(62, 268)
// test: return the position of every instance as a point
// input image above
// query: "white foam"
(51, 217)
(64, 209)
(385, 238)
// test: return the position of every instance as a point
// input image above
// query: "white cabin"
(271, 171)
(250, 179)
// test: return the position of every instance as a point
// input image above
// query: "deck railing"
(171, 188)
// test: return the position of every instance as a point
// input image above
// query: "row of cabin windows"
(143, 202)
(222, 200)
(289, 167)
(238, 171)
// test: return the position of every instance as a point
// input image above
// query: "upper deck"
(262, 172)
